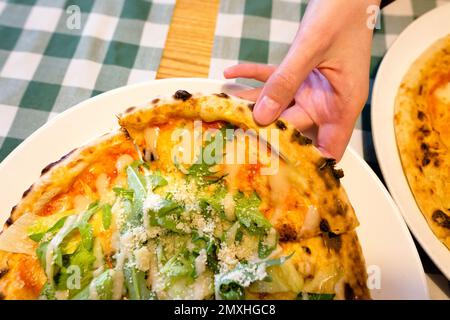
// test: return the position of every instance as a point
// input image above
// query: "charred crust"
(333, 241)
(9, 221)
(130, 109)
(425, 131)
(155, 101)
(420, 90)
(3, 272)
(349, 294)
(420, 115)
(24, 194)
(2, 296)
(428, 155)
(182, 95)
(300, 139)
(307, 250)
(324, 226)
(424, 146)
(441, 218)
(251, 106)
(287, 233)
(51, 165)
(280, 125)
(125, 132)
(329, 164)
(222, 95)
(437, 163)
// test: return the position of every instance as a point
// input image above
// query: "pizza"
(422, 117)
(190, 199)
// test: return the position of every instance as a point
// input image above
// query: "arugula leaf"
(47, 292)
(136, 182)
(106, 216)
(156, 180)
(51, 231)
(179, 266)
(136, 284)
(201, 170)
(214, 202)
(231, 291)
(315, 296)
(103, 286)
(267, 243)
(86, 233)
(41, 253)
(211, 256)
(167, 216)
(248, 214)
(124, 193)
(83, 260)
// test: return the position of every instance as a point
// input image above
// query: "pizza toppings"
(161, 229)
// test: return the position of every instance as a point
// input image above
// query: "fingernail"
(266, 111)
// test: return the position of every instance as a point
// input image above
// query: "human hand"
(322, 83)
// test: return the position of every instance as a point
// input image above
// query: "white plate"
(411, 43)
(386, 242)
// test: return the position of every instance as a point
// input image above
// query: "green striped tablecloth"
(56, 53)
(261, 31)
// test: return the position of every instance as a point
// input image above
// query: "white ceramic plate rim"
(401, 279)
(413, 41)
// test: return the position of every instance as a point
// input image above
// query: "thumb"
(281, 87)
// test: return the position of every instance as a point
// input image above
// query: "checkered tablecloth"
(262, 31)
(56, 53)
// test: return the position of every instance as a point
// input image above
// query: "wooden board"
(189, 43)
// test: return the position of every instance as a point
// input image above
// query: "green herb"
(78, 272)
(248, 214)
(103, 287)
(47, 292)
(106, 216)
(211, 256)
(136, 284)
(51, 231)
(124, 193)
(232, 291)
(137, 183)
(201, 169)
(156, 180)
(267, 243)
(180, 266)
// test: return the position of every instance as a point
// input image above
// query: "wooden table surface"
(189, 43)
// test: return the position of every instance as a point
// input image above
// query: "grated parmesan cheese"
(142, 257)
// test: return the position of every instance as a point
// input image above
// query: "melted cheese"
(312, 221)
(54, 243)
(151, 139)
